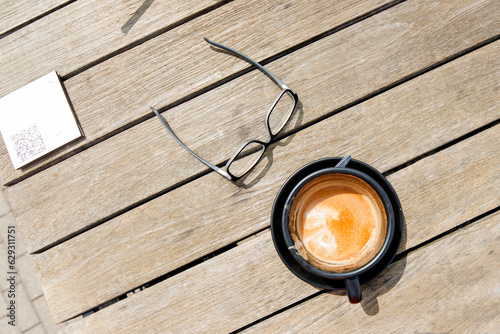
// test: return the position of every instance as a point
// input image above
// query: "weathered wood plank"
(209, 213)
(162, 70)
(461, 269)
(448, 286)
(105, 179)
(83, 32)
(15, 13)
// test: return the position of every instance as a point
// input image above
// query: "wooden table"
(125, 215)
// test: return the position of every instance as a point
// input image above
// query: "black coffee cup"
(307, 266)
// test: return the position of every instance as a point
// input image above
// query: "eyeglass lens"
(246, 158)
(281, 112)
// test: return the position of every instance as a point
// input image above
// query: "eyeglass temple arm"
(274, 78)
(215, 168)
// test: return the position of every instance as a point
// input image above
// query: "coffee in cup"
(337, 222)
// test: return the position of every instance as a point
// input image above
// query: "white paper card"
(36, 119)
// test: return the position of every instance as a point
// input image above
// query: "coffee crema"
(337, 222)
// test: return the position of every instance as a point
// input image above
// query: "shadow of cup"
(385, 281)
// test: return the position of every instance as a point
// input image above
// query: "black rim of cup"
(387, 206)
(277, 233)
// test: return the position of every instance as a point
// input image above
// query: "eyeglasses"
(250, 153)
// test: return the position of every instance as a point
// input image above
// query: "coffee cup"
(337, 223)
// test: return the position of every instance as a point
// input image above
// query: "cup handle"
(353, 289)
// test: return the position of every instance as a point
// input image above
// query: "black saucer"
(277, 233)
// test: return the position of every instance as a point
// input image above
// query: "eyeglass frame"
(285, 89)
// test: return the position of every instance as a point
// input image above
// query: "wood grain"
(15, 13)
(458, 270)
(118, 172)
(449, 286)
(83, 32)
(209, 213)
(162, 70)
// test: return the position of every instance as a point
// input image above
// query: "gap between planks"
(405, 109)
(18, 14)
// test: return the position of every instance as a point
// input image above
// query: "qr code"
(28, 143)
